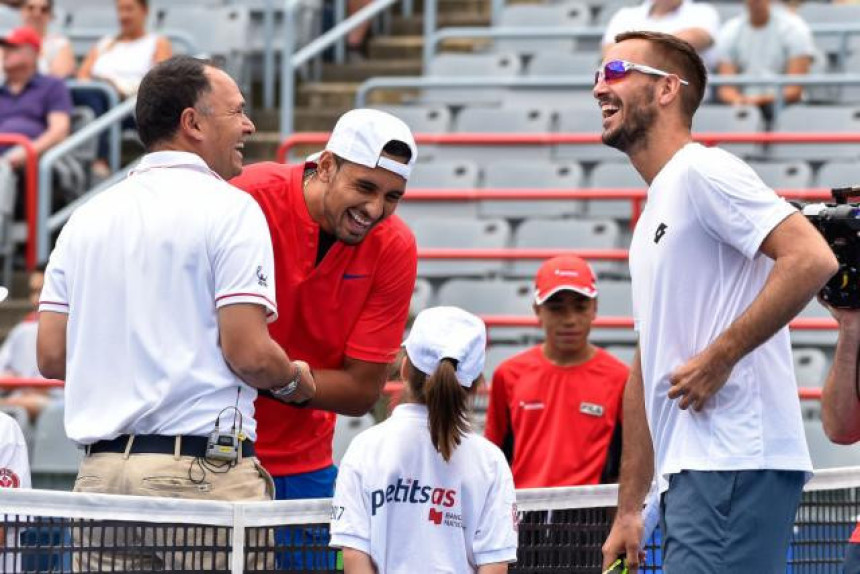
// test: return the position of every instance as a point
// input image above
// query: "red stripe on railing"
(799, 324)
(31, 175)
(471, 254)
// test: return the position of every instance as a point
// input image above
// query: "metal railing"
(587, 83)
(113, 99)
(31, 186)
(41, 228)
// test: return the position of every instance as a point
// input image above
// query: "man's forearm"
(840, 406)
(637, 454)
(350, 391)
(792, 283)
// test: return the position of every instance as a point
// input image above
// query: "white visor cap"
(448, 333)
(360, 135)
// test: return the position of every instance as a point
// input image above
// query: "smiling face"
(355, 198)
(223, 125)
(628, 104)
(566, 319)
(36, 14)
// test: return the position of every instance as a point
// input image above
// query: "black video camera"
(839, 223)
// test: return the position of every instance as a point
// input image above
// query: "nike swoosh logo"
(355, 275)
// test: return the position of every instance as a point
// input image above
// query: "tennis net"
(561, 530)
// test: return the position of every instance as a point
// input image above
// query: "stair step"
(412, 46)
(414, 25)
(357, 72)
(342, 95)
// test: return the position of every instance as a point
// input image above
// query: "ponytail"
(447, 405)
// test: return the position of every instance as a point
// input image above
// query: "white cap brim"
(576, 289)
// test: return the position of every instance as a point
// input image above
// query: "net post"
(237, 565)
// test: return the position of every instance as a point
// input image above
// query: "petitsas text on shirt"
(412, 492)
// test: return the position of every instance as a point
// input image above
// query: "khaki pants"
(149, 546)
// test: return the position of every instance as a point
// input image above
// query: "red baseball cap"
(564, 273)
(22, 37)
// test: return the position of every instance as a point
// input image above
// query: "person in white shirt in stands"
(14, 473)
(719, 265)
(420, 492)
(155, 309)
(695, 22)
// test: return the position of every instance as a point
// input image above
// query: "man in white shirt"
(14, 473)
(695, 22)
(155, 310)
(765, 41)
(719, 266)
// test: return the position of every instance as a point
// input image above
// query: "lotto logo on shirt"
(411, 491)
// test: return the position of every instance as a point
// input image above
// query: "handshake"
(300, 389)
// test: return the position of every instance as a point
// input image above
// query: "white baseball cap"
(448, 333)
(360, 135)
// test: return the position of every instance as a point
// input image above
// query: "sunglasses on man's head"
(617, 69)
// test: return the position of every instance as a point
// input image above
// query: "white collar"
(172, 159)
(410, 411)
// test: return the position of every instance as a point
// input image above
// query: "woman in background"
(56, 57)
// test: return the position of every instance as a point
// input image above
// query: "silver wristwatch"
(290, 387)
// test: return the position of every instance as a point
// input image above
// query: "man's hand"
(699, 379)
(624, 538)
(307, 387)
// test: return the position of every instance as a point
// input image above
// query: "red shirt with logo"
(855, 537)
(562, 419)
(355, 303)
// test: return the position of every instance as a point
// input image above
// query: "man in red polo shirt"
(345, 269)
(558, 404)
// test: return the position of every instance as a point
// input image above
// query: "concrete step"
(341, 95)
(414, 25)
(412, 46)
(358, 72)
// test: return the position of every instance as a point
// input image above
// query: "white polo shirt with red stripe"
(142, 270)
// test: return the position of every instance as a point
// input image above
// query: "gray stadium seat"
(800, 118)
(824, 453)
(731, 119)
(623, 353)
(501, 175)
(810, 367)
(567, 15)
(614, 299)
(440, 175)
(565, 234)
(616, 174)
(799, 338)
(481, 65)
(784, 174)
(434, 119)
(826, 13)
(345, 429)
(850, 95)
(564, 64)
(497, 354)
(584, 118)
(838, 174)
(9, 19)
(55, 459)
(531, 119)
(494, 297)
(609, 8)
(422, 296)
(556, 64)
(449, 233)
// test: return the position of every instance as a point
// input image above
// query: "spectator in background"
(558, 405)
(18, 355)
(31, 104)
(696, 22)
(766, 41)
(356, 41)
(56, 57)
(122, 60)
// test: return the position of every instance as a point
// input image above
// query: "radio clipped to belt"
(226, 445)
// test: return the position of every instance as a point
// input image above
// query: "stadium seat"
(615, 174)
(584, 118)
(614, 299)
(801, 118)
(827, 13)
(481, 65)
(422, 119)
(422, 297)
(784, 174)
(566, 234)
(441, 175)
(448, 233)
(531, 174)
(497, 354)
(526, 120)
(87, 23)
(824, 453)
(838, 174)
(9, 19)
(730, 119)
(345, 429)
(556, 64)
(55, 459)
(800, 338)
(623, 353)
(567, 15)
(810, 367)
(494, 297)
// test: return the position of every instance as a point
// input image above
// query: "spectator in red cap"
(556, 408)
(33, 105)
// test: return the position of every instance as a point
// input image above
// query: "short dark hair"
(165, 92)
(396, 148)
(677, 57)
